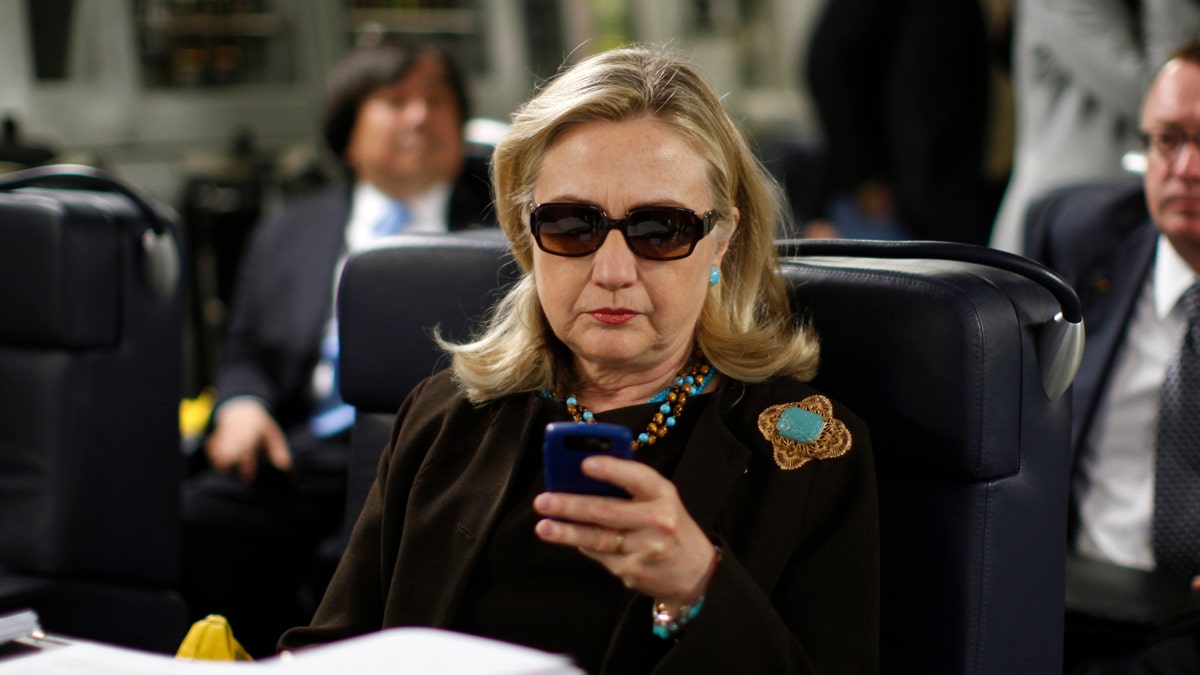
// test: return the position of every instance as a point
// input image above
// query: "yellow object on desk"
(211, 639)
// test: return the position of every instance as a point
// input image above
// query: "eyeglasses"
(1168, 143)
(653, 232)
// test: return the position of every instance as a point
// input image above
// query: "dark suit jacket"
(1099, 237)
(797, 589)
(285, 290)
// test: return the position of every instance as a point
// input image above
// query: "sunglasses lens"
(652, 233)
(662, 234)
(566, 229)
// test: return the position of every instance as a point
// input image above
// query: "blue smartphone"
(566, 445)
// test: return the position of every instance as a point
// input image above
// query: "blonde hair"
(746, 326)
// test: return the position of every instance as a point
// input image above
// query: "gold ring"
(620, 543)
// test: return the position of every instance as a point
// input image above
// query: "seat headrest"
(391, 298)
(157, 258)
(922, 347)
(60, 267)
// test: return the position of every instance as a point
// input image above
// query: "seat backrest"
(91, 363)
(390, 298)
(944, 359)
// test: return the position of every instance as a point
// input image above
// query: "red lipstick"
(612, 316)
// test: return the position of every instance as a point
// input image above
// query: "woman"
(749, 543)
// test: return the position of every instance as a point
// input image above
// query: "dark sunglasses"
(653, 232)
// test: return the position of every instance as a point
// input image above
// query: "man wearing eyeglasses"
(1134, 261)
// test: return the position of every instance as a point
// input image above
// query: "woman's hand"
(649, 542)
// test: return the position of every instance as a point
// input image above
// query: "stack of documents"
(18, 625)
(412, 651)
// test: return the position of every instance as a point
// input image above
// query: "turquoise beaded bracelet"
(668, 625)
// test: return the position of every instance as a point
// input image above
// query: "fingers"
(676, 568)
(230, 450)
(247, 466)
(587, 538)
(641, 481)
(654, 502)
(244, 430)
(649, 542)
(223, 450)
(276, 447)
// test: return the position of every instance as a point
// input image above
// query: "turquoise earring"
(714, 276)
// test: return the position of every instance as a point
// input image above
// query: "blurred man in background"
(270, 484)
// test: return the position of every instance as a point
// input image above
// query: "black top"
(799, 571)
(553, 597)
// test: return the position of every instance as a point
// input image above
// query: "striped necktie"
(1177, 448)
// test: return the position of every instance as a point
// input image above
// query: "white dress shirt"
(1116, 484)
(426, 213)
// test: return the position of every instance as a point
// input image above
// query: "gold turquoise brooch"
(804, 431)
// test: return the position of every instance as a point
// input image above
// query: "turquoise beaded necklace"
(691, 380)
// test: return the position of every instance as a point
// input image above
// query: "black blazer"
(285, 291)
(796, 591)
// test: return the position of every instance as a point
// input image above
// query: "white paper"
(18, 624)
(410, 651)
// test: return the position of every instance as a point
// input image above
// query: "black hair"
(366, 70)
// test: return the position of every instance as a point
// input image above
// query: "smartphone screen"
(566, 445)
